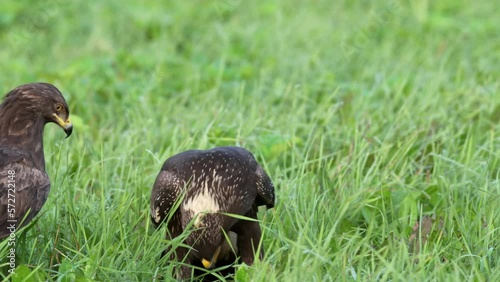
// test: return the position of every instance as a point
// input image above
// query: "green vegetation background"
(377, 120)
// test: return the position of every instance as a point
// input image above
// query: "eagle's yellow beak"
(66, 125)
(209, 264)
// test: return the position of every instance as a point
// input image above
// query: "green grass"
(370, 116)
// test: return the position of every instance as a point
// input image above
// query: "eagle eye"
(59, 107)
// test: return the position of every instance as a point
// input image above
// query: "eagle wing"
(23, 190)
(165, 195)
(265, 189)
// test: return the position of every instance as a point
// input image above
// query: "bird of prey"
(206, 188)
(24, 184)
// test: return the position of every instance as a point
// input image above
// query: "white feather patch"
(200, 204)
(157, 215)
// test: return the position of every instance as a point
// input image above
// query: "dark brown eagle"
(24, 184)
(207, 188)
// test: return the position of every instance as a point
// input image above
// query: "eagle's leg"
(249, 235)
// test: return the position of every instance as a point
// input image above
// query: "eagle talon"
(209, 264)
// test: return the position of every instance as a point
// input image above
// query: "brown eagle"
(206, 189)
(24, 184)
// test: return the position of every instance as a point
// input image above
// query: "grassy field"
(378, 122)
